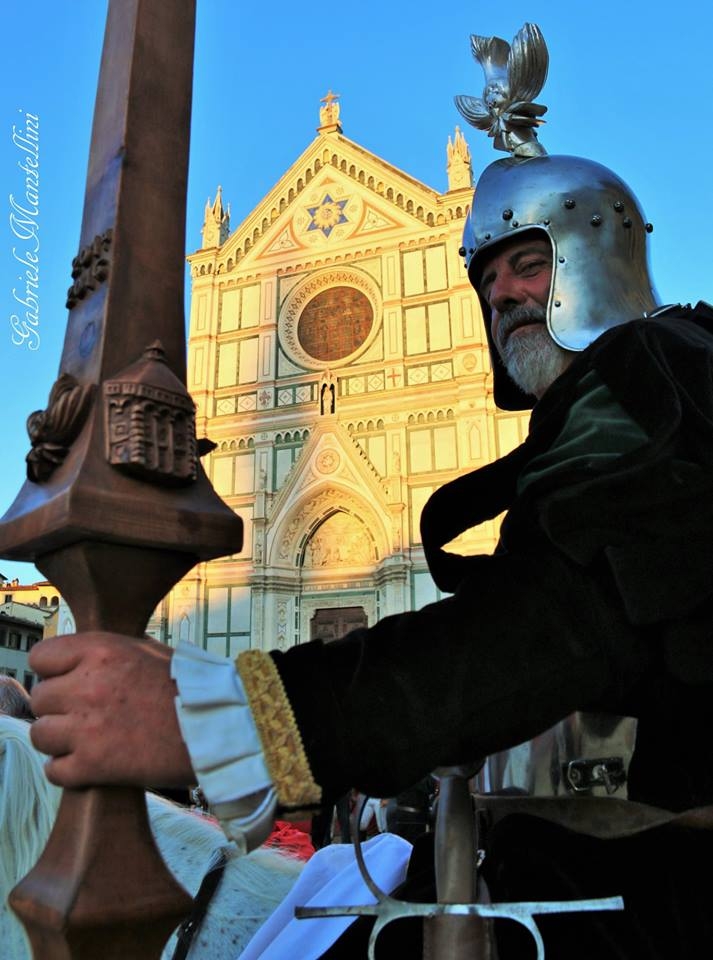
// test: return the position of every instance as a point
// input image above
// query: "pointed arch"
(339, 539)
(288, 538)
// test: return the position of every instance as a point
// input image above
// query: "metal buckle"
(583, 775)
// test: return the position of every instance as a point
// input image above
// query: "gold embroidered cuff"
(279, 734)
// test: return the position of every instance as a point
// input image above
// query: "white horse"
(250, 889)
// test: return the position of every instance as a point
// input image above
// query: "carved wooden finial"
(150, 422)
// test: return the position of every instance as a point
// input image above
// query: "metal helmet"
(600, 274)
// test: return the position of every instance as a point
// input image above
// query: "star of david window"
(335, 323)
(327, 215)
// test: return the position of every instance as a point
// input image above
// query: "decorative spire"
(329, 114)
(514, 75)
(458, 167)
(216, 222)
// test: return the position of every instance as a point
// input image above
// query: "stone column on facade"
(395, 463)
(264, 447)
(273, 614)
(397, 491)
(204, 339)
(267, 363)
(259, 638)
(186, 608)
(259, 635)
(394, 580)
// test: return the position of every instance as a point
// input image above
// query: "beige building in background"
(22, 625)
(338, 361)
(39, 594)
(28, 611)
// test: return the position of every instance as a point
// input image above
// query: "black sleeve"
(518, 647)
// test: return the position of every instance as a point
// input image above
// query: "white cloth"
(219, 731)
(330, 878)
(381, 816)
(369, 810)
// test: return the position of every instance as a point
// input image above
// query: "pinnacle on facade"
(458, 166)
(216, 221)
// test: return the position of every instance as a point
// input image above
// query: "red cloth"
(291, 840)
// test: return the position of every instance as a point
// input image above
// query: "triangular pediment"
(332, 210)
(334, 195)
(330, 456)
(333, 476)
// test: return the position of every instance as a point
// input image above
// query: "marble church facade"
(337, 360)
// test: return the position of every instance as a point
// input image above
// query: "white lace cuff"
(223, 743)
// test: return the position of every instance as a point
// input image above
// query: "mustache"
(518, 317)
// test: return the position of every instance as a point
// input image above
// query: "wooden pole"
(117, 508)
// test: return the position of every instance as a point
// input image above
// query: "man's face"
(518, 274)
(515, 283)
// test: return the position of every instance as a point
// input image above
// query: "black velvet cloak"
(603, 579)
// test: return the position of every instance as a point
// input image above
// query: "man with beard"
(598, 596)
(516, 285)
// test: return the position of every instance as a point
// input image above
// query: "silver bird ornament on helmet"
(600, 261)
(514, 75)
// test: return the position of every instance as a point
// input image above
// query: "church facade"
(337, 360)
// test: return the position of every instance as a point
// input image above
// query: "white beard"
(531, 357)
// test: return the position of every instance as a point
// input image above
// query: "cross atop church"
(329, 114)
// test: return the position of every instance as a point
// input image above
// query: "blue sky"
(629, 85)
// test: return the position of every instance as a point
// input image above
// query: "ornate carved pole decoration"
(52, 431)
(117, 508)
(150, 422)
(90, 268)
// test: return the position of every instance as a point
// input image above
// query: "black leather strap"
(187, 930)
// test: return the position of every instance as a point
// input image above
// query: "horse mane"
(28, 806)
(251, 887)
